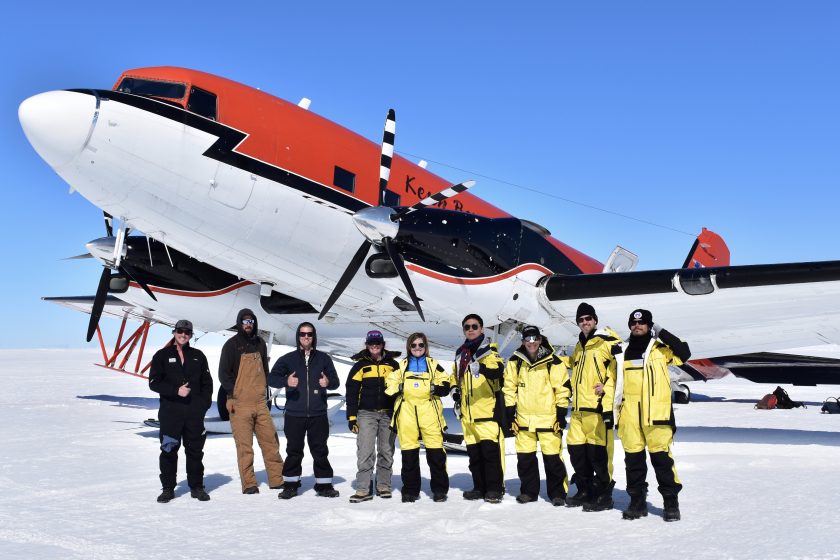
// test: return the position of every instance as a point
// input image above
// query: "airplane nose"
(58, 124)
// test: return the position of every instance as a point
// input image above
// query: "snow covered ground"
(79, 480)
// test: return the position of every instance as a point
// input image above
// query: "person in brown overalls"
(243, 368)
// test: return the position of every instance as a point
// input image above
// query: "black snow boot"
(199, 494)
(166, 495)
(290, 490)
(637, 507)
(581, 497)
(672, 509)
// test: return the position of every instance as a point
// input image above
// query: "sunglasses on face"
(585, 318)
(531, 339)
(183, 331)
(471, 327)
(306, 334)
(247, 321)
(634, 323)
(418, 344)
(374, 344)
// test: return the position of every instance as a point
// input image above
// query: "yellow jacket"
(536, 389)
(414, 391)
(593, 363)
(656, 384)
(478, 390)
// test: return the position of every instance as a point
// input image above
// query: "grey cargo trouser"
(374, 434)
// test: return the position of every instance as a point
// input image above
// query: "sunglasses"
(418, 345)
(531, 338)
(637, 322)
(375, 343)
(248, 321)
(183, 331)
(585, 318)
(471, 327)
(306, 334)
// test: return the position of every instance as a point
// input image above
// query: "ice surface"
(79, 480)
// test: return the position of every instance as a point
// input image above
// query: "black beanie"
(642, 315)
(586, 309)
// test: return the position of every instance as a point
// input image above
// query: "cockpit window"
(202, 102)
(156, 88)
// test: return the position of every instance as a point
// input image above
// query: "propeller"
(380, 224)
(101, 247)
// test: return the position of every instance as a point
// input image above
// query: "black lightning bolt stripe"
(222, 149)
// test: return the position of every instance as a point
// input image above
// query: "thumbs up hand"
(292, 380)
(323, 382)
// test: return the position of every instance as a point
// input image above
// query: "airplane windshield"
(152, 87)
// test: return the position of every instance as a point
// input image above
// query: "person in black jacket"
(306, 374)
(369, 412)
(243, 372)
(180, 374)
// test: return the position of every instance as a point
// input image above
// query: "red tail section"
(709, 249)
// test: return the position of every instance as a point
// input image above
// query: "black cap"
(530, 330)
(586, 309)
(642, 315)
(183, 324)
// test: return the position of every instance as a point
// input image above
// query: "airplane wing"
(114, 306)
(719, 311)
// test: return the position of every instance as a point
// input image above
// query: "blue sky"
(667, 116)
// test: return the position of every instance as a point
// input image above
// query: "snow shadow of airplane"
(717, 434)
(132, 402)
(699, 397)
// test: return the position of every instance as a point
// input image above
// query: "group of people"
(607, 384)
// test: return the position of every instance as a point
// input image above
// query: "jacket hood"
(363, 354)
(242, 313)
(545, 350)
(314, 335)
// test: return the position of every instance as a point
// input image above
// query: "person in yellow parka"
(645, 414)
(476, 379)
(419, 383)
(536, 389)
(590, 436)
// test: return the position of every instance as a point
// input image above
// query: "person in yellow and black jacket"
(644, 411)
(369, 412)
(476, 378)
(536, 389)
(419, 383)
(590, 436)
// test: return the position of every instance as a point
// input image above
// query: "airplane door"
(232, 186)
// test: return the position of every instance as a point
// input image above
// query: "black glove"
(609, 420)
(440, 390)
(510, 421)
(561, 416)
(353, 425)
(456, 396)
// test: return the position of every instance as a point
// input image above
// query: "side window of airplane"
(202, 102)
(344, 179)
(392, 199)
(155, 88)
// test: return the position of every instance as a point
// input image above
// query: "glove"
(561, 417)
(609, 420)
(456, 396)
(229, 406)
(353, 425)
(440, 390)
(475, 367)
(558, 429)
(510, 417)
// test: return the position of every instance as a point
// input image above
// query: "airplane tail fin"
(709, 249)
